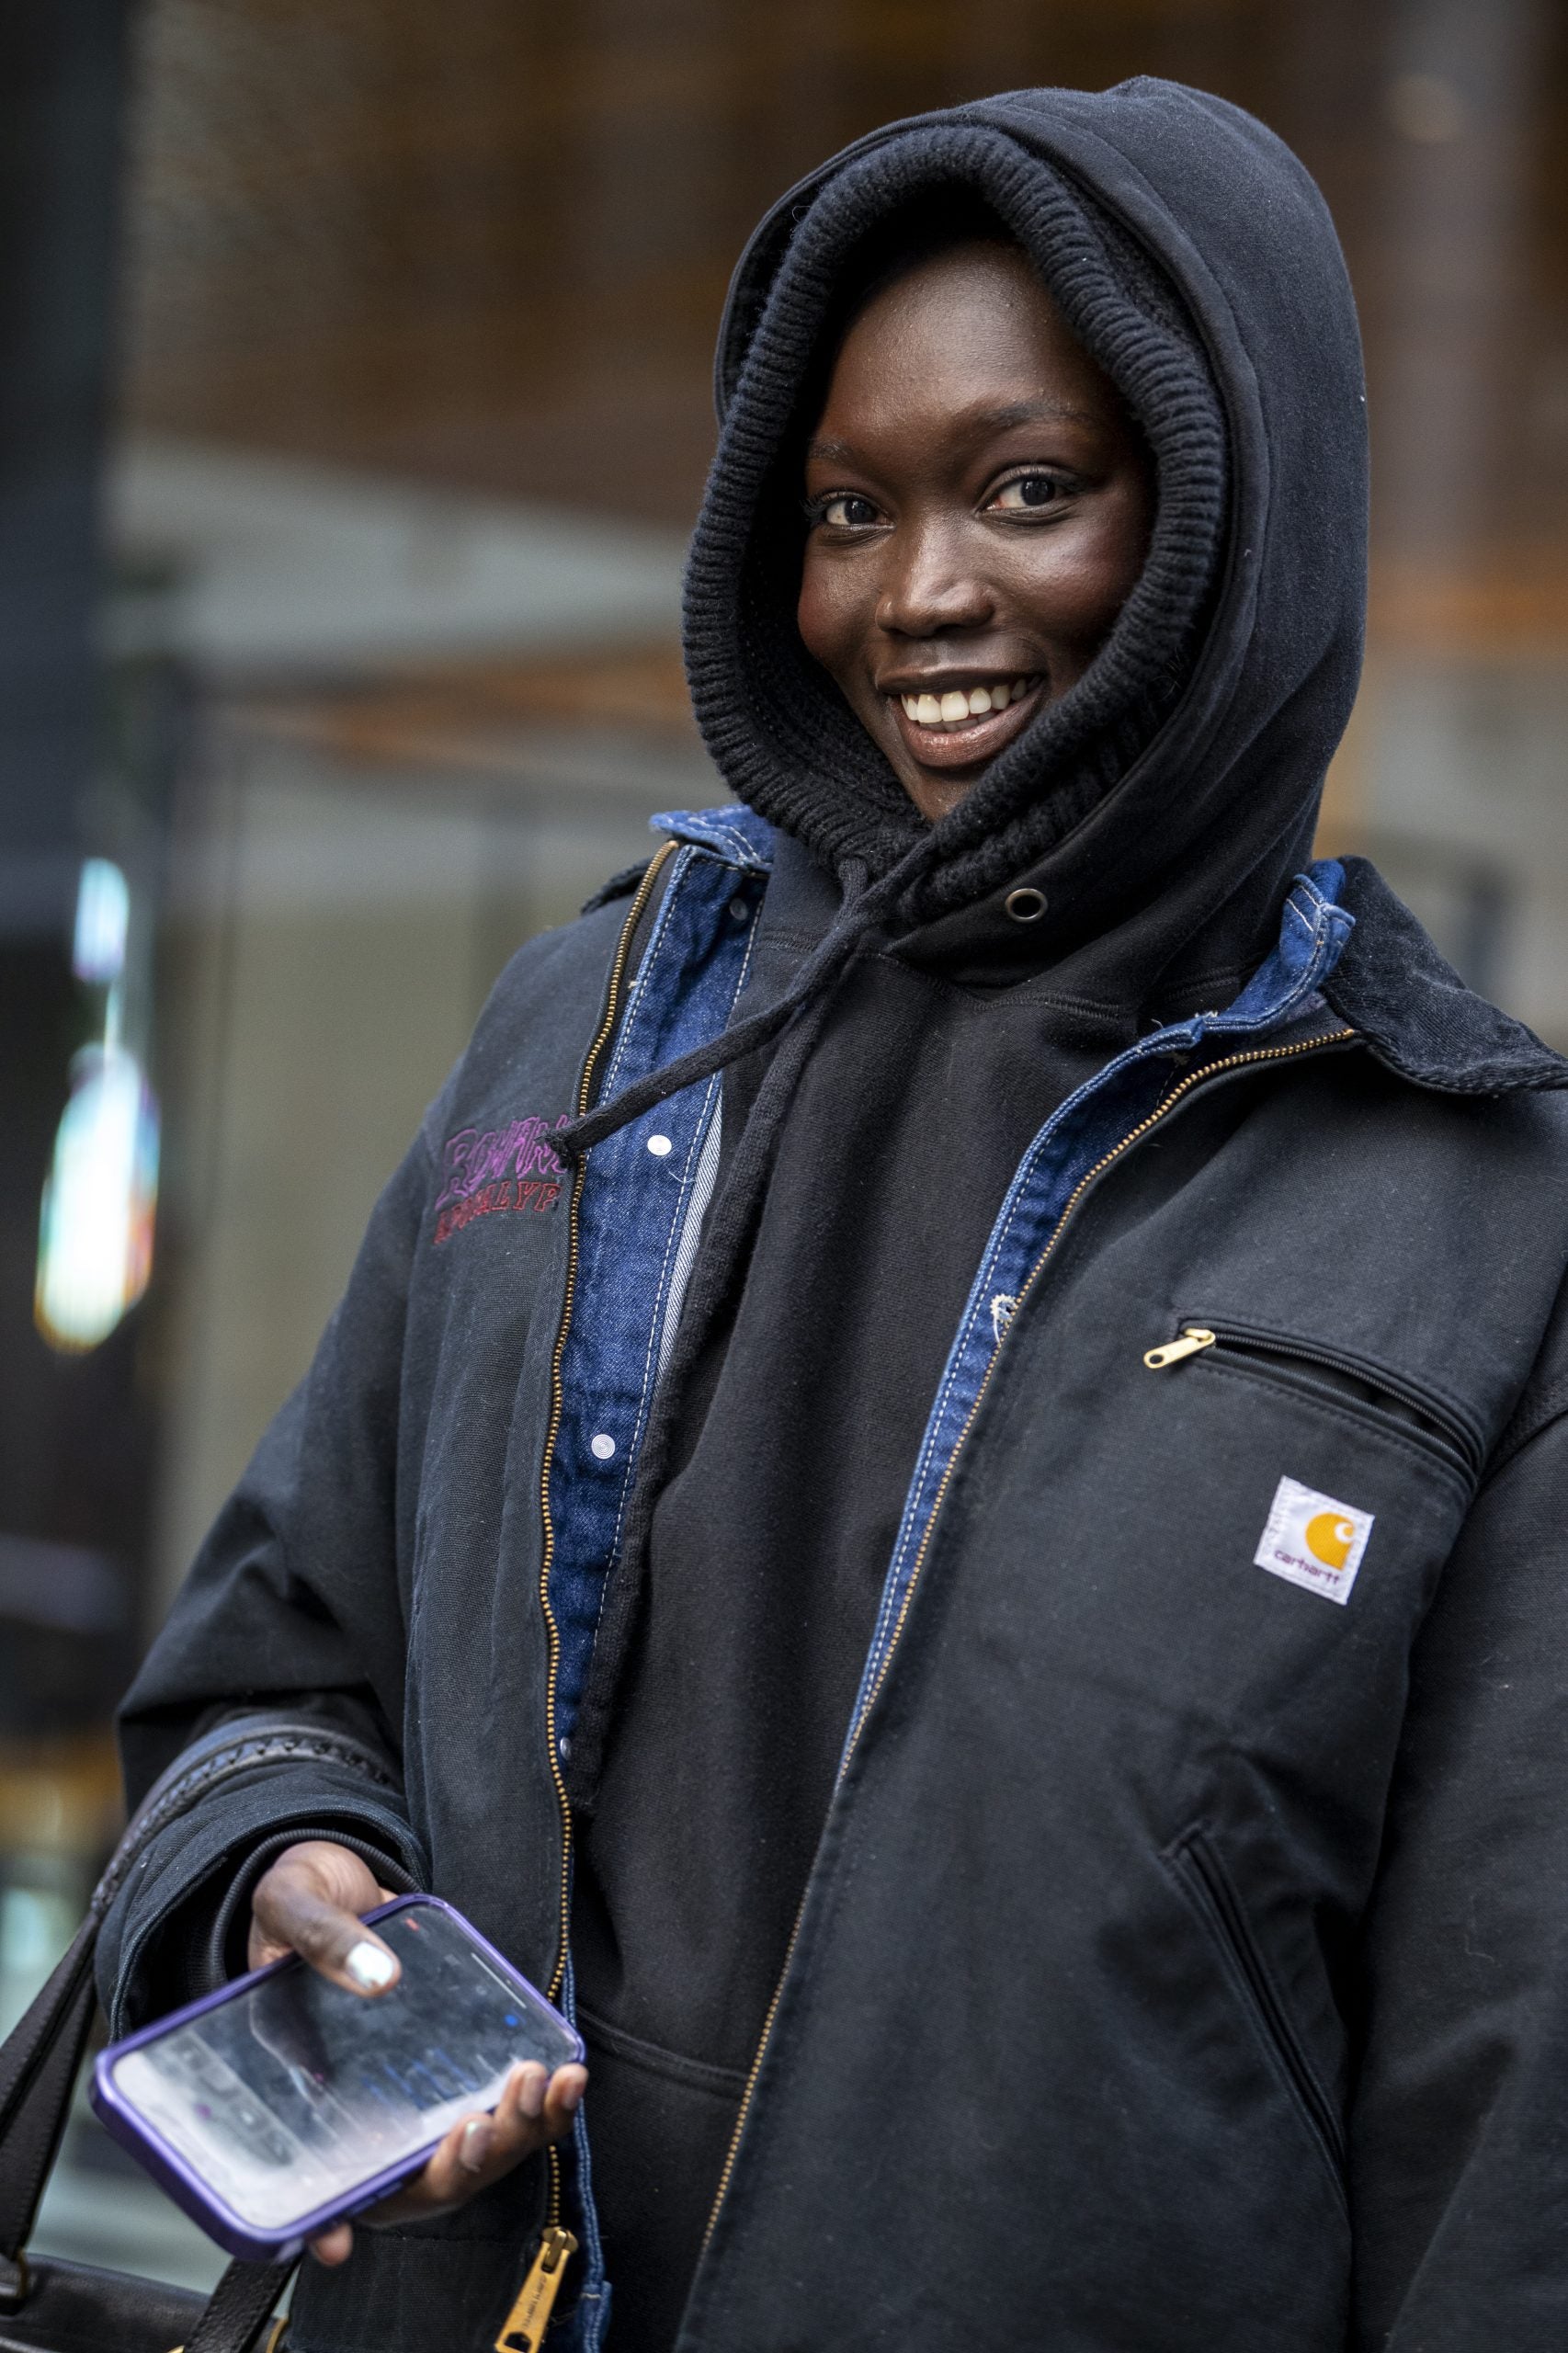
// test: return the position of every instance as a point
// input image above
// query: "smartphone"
(283, 2104)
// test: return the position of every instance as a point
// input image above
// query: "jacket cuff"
(167, 1934)
(223, 1940)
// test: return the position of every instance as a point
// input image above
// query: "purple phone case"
(186, 2187)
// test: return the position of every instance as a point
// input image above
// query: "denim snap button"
(1025, 905)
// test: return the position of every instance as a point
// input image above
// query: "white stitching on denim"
(650, 1361)
(687, 1232)
(707, 827)
(679, 864)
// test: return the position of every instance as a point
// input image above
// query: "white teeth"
(954, 708)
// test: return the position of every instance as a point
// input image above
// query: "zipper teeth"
(1209, 1070)
(552, 1431)
(732, 2152)
(1371, 1376)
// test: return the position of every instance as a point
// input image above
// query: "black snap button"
(1025, 905)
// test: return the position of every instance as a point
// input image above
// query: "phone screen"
(285, 2098)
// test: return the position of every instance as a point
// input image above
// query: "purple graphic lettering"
(486, 1170)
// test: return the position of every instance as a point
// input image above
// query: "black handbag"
(53, 2307)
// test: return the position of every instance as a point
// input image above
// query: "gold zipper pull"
(1193, 1340)
(523, 2329)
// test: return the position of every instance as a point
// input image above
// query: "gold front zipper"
(1135, 1135)
(557, 1407)
(1193, 1338)
(523, 2329)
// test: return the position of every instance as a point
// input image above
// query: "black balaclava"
(1195, 260)
(778, 728)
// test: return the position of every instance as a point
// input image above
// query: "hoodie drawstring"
(820, 969)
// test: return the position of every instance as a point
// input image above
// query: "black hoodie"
(1162, 807)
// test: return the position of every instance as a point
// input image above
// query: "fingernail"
(371, 1967)
(531, 2090)
(571, 2098)
(474, 2146)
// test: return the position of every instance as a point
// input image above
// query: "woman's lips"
(965, 742)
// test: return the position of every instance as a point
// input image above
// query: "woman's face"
(980, 506)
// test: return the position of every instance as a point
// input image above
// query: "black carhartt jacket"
(1181, 1965)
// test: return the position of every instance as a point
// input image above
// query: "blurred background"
(353, 407)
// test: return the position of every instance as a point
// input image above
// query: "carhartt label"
(1313, 1540)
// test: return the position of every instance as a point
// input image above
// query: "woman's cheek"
(808, 610)
(821, 618)
(1072, 599)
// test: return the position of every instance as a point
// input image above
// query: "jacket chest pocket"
(1317, 1370)
(1262, 1520)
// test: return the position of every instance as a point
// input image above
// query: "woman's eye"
(847, 511)
(1028, 491)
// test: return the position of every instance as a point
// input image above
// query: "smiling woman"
(960, 1747)
(979, 502)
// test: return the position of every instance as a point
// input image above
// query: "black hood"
(1164, 803)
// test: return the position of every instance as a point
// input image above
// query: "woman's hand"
(309, 1903)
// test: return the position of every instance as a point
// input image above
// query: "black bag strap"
(239, 2308)
(41, 2056)
(38, 2068)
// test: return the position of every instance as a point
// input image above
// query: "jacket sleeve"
(293, 1611)
(1460, 2123)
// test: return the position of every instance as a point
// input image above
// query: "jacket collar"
(1414, 1010)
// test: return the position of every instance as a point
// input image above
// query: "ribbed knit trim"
(776, 726)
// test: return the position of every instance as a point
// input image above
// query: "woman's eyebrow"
(1041, 411)
(1036, 412)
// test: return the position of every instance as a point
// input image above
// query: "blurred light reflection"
(103, 913)
(95, 1231)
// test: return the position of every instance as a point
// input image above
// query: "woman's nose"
(928, 587)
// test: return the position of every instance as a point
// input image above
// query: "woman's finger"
(333, 2246)
(293, 1912)
(476, 2151)
(334, 1943)
(563, 2099)
(479, 2150)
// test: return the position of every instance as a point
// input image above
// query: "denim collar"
(1313, 930)
(733, 833)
